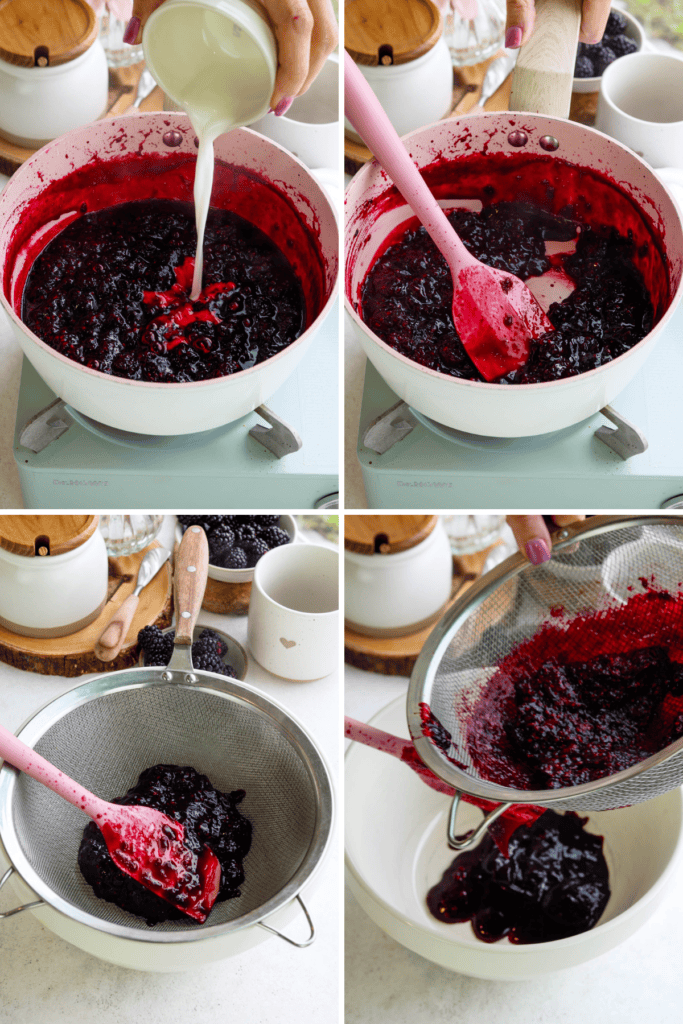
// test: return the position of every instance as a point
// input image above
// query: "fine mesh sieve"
(106, 731)
(596, 566)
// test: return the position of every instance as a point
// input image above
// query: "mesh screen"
(601, 572)
(105, 744)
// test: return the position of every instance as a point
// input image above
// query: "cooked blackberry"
(157, 646)
(616, 24)
(584, 68)
(621, 45)
(255, 550)
(235, 558)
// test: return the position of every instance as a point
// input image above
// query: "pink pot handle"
(17, 753)
(367, 116)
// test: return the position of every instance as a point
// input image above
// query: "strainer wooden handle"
(189, 583)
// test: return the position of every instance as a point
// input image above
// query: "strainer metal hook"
(293, 942)
(24, 906)
(472, 837)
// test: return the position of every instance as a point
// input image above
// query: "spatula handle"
(368, 117)
(189, 583)
(544, 73)
(17, 753)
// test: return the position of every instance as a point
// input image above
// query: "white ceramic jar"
(415, 93)
(401, 592)
(38, 104)
(56, 594)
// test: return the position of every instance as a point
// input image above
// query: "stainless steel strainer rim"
(135, 678)
(426, 666)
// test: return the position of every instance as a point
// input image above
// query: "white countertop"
(45, 980)
(639, 981)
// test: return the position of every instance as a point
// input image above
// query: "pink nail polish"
(283, 106)
(513, 37)
(132, 29)
(537, 551)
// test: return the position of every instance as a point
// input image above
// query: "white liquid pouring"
(218, 75)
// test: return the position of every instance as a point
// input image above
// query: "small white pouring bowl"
(395, 840)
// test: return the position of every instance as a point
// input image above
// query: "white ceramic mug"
(310, 128)
(641, 105)
(294, 611)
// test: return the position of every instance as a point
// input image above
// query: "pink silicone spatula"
(494, 312)
(143, 842)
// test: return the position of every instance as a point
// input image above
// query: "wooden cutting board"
(74, 655)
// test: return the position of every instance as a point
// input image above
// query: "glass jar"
(467, 534)
(473, 29)
(119, 54)
(124, 535)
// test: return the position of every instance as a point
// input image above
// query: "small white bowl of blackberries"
(623, 34)
(237, 542)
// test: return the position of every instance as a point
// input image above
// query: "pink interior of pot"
(154, 157)
(477, 160)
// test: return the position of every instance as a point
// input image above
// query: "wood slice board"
(226, 598)
(396, 656)
(74, 655)
(123, 83)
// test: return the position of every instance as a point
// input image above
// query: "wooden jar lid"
(386, 535)
(45, 32)
(390, 31)
(19, 534)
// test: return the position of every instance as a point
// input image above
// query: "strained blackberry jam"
(407, 295)
(553, 884)
(111, 291)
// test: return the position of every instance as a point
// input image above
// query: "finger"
(594, 15)
(324, 38)
(519, 23)
(532, 537)
(293, 26)
(567, 520)
(142, 9)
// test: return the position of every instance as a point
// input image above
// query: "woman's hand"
(533, 536)
(306, 33)
(521, 15)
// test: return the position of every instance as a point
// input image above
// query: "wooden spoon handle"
(111, 641)
(544, 73)
(191, 571)
(17, 753)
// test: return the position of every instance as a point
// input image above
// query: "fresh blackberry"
(209, 641)
(235, 558)
(601, 57)
(621, 45)
(221, 539)
(264, 521)
(191, 520)
(244, 533)
(157, 647)
(584, 68)
(255, 550)
(209, 661)
(616, 24)
(275, 537)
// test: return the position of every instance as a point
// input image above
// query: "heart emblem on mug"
(287, 643)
